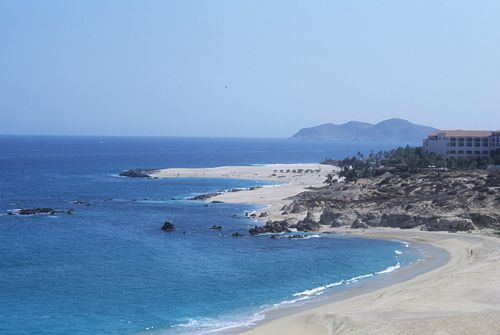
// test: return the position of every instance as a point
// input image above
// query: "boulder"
(168, 226)
(449, 224)
(236, 234)
(357, 224)
(215, 227)
(329, 217)
(399, 220)
(307, 224)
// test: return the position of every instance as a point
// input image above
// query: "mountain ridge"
(390, 130)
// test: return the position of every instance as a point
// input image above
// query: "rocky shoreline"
(434, 201)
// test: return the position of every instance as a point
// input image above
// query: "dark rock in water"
(329, 232)
(263, 215)
(79, 202)
(33, 211)
(308, 224)
(44, 210)
(276, 237)
(217, 202)
(270, 227)
(359, 225)
(236, 234)
(138, 173)
(204, 196)
(215, 227)
(253, 215)
(168, 226)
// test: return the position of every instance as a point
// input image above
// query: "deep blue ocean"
(108, 268)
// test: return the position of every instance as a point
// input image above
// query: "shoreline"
(460, 296)
(272, 197)
(435, 257)
(430, 302)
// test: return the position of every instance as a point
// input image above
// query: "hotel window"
(485, 152)
(477, 152)
(453, 152)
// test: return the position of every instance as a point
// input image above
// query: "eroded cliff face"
(450, 201)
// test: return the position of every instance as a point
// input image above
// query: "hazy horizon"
(246, 68)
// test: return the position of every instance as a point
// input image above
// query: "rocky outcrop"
(138, 173)
(216, 227)
(432, 200)
(205, 196)
(489, 220)
(34, 211)
(330, 217)
(307, 224)
(39, 211)
(357, 224)
(168, 226)
(270, 227)
(449, 224)
(236, 234)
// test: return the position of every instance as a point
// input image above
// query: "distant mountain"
(392, 130)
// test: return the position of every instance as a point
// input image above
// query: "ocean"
(108, 268)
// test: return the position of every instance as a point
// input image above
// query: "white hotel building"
(459, 143)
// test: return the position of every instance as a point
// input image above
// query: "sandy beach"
(291, 183)
(460, 297)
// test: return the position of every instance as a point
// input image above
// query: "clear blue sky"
(162, 67)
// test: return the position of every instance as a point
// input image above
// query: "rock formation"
(168, 226)
(448, 201)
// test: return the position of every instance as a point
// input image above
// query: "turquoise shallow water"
(109, 269)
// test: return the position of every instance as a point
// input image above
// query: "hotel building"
(460, 143)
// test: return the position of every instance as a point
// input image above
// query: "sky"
(245, 68)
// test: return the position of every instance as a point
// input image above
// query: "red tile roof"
(463, 133)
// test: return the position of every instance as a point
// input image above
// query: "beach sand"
(273, 197)
(460, 297)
